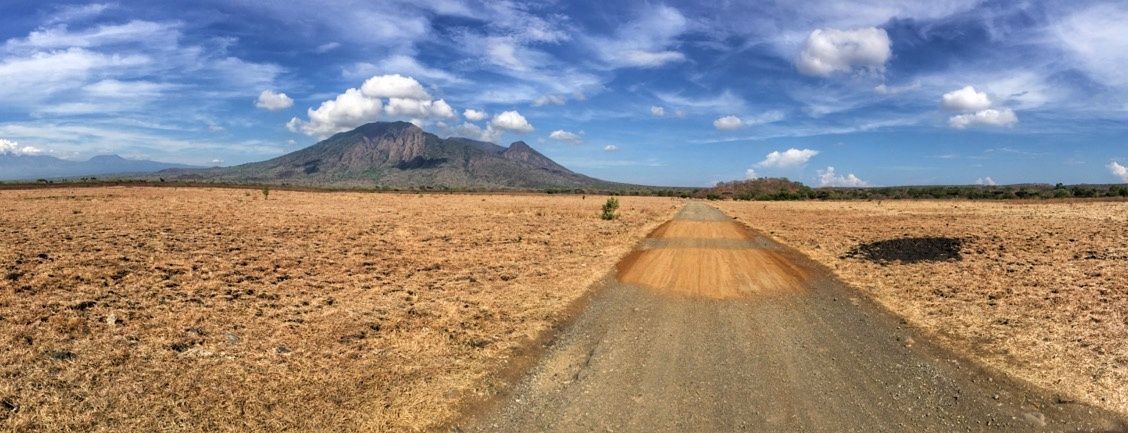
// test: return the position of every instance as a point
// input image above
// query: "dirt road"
(711, 327)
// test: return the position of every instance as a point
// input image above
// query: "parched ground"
(177, 309)
(1041, 292)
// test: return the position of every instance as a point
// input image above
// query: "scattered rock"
(1036, 418)
(8, 406)
(1061, 399)
(83, 306)
(61, 355)
(282, 350)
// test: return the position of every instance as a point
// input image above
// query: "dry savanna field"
(190, 309)
(1040, 291)
(177, 309)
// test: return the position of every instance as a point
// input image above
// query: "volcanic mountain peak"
(107, 158)
(521, 151)
(402, 155)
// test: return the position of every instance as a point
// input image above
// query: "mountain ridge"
(402, 155)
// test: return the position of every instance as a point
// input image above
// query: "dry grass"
(1041, 292)
(160, 309)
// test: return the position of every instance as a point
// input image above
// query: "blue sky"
(676, 93)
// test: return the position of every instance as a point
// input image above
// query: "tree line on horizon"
(784, 189)
(761, 189)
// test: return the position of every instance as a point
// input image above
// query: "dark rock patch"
(61, 355)
(909, 250)
(8, 405)
(83, 306)
(420, 162)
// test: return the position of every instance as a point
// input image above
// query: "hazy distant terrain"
(31, 167)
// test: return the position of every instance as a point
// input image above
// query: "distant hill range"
(401, 155)
(32, 167)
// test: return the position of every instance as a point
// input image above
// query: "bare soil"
(190, 309)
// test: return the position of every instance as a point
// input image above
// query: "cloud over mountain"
(13, 148)
(511, 121)
(380, 97)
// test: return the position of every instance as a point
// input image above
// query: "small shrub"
(265, 192)
(609, 209)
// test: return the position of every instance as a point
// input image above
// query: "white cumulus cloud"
(610, 148)
(728, 123)
(827, 51)
(829, 177)
(474, 115)
(986, 181)
(990, 117)
(394, 86)
(13, 148)
(269, 100)
(1114, 167)
(511, 121)
(965, 99)
(563, 135)
(788, 158)
(751, 174)
(657, 111)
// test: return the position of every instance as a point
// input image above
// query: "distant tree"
(265, 192)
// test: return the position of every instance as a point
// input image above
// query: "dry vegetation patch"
(1040, 290)
(162, 309)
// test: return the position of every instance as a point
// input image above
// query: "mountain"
(30, 167)
(401, 155)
